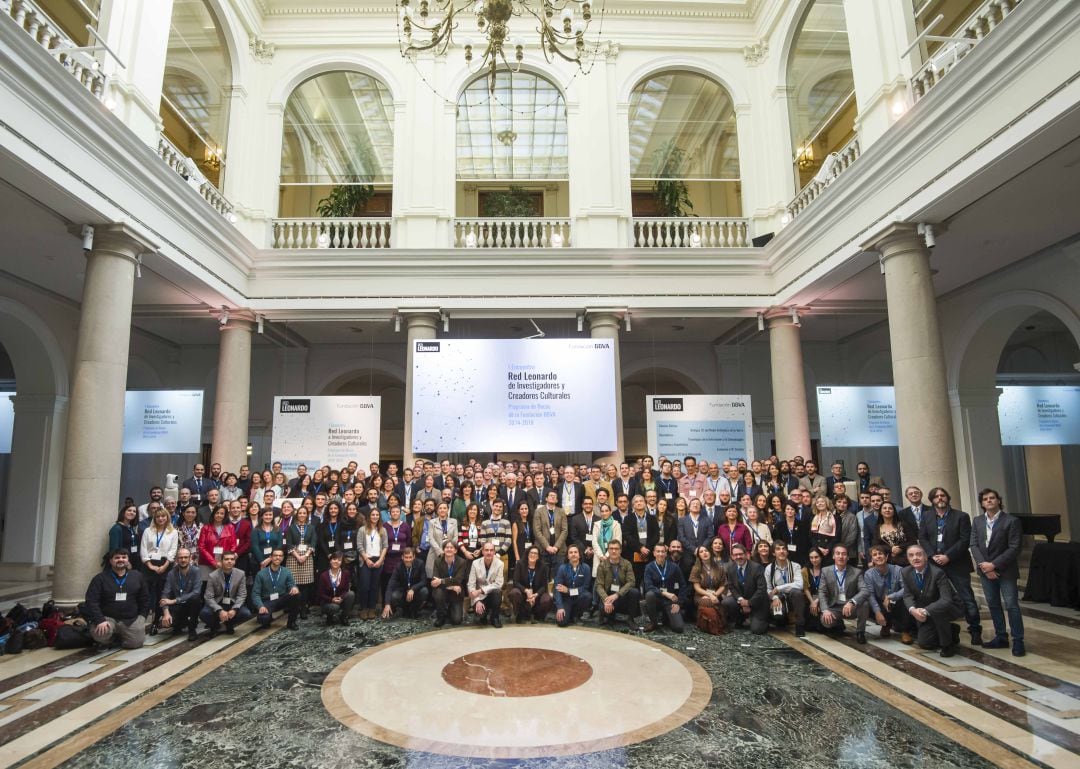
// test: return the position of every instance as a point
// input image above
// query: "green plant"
(672, 195)
(516, 202)
(345, 200)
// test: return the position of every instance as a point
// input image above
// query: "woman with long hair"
(373, 549)
(891, 532)
(125, 534)
(824, 529)
(733, 531)
(158, 553)
(300, 540)
(709, 581)
(605, 529)
(216, 537)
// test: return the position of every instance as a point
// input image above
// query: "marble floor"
(401, 694)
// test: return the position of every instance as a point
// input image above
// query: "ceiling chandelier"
(560, 28)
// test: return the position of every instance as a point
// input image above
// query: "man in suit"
(294, 484)
(581, 526)
(946, 538)
(595, 483)
(865, 480)
(843, 595)
(626, 483)
(666, 589)
(551, 531)
(837, 478)
(181, 601)
(641, 532)
(444, 472)
(405, 489)
(225, 596)
(696, 528)
(912, 515)
(198, 484)
(932, 602)
(485, 585)
(571, 491)
(511, 493)
(995, 548)
(747, 595)
(813, 482)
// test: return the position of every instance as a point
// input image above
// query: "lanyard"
(574, 575)
(532, 576)
(663, 574)
(395, 529)
(333, 530)
(816, 581)
(528, 531)
(450, 569)
(134, 534)
(120, 582)
(274, 578)
(228, 582)
(157, 543)
(839, 582)
(181, 580)
(784, 579)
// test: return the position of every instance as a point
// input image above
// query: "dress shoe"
(292, 626)
(230, 630)
(860, 637)
(439, 622)
(976, 637)
(997, 642)
(650, 627)
(800, 631)
(1018, 649)
(153, 630)
(213, 633)
(520, 619)
(192, 636)
(907, 639)
(496, 621)
(886, 632)
(343, 619)
(948, 651)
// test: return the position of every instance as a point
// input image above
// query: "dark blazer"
(540, 576)
(666, 486)
(628, 487)
(632, 542)
(519, 495)
(325, 591)
(937, 593)
(579, 495)
(753, 587)
(705, 530)
(798, 539)
(1003, 549)
(907, 515)
(579, 530)
(403, 579)
(441, 571)
(196, 490)
(955, 541)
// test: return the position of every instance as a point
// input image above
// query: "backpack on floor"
(710, 620)
(73, 637)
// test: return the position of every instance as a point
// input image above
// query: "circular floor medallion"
(517, 672)
(561, 691)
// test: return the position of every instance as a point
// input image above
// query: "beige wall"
(1046, 483)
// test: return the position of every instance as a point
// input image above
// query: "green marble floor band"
(771, 706)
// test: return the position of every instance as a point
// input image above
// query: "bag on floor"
(35, 639)
(710, 620)
(51, 625)
(73, 637)
(14, 643)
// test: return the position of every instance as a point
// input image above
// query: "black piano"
(1048, 526)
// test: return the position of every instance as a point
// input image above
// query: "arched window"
(822, 89)
(337, 147)
(684, 149)
(198, 74)
(512, 153)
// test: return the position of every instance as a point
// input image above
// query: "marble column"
(923, 416)
(792, 425)
(230, 436)
(418, 327)
(978, 441)
(605, 325)
(34, 486)
(90, 485)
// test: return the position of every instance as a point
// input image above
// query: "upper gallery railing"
(36, 23)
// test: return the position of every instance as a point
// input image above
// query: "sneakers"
(1018, 649)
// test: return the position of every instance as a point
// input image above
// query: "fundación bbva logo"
(295, 406)
(667, 404)
(427, 346)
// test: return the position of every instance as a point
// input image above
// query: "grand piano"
(1048, 526)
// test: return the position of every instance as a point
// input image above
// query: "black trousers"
(186, 615)
(492, 604)
(539, 610)
(448, 606)
(629, 604)
(574, 608)
(288, 603)
(659, 610)
(409, 608)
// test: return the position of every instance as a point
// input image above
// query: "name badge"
(121, 596)
(614, 587)
(528, 545)
(941, 537)
(573, 592)
(348, 545)
(155, 555)
(551, 530)
(667, 495)
(219, 550)
(843, 596)
(675, 586)
(588, 537)
(330, 543)
(693, 492)
(792, 547)
(395, 547)
(134, 548)
(301, 549)
(274, 596)
(226, 601)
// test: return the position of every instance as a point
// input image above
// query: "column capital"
(119, 239)
(37, 404)
(777, 317)
(895, 238)
(604, 318)
(420, 318)
(238, 319)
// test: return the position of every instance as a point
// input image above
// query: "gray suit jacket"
(705, 532)
(937, 593)
(215, 590)
(1003, 550)
(854, 588)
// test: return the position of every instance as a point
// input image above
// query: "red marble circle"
(519, 672)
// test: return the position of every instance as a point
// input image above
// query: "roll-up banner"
(713, 427)
(325, 430)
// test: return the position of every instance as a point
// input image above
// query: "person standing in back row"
(995, 547)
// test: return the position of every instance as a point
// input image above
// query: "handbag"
(710, 620)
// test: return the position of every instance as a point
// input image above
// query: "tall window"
(684, 149)
(337, 149)
(198, 73)
(512, 153)
(822, 98)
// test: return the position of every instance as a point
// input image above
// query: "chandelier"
(560, 29)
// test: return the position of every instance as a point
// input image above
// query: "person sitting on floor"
(117, 603)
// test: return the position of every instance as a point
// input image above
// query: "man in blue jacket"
(275, 590)
(665, 588)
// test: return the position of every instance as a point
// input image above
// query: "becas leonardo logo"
(427, 346)
(667, 404)
(295, 406)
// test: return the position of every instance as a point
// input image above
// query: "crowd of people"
(761, 544)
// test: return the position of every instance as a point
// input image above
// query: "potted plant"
(672, 195)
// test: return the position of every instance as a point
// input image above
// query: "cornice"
(686, 11)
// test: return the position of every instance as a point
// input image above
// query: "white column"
(605, 325)
(230, 436)
(878, 33)
(34, 485)
(139, 34)
(90, 485)
(792, 423)
(978, 441)
(923, 415)
(418, 326)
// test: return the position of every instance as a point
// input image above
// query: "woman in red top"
(215, 538)
(733, 531)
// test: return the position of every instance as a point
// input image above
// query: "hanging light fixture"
(560, 28)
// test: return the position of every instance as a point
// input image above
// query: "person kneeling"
(485, 585)
(573, 594)
(616, 587)
(117, 602)
(932, 602)
(747, 595)
(529, 595)
(407, 591)
(333, 593)
(843, 595)
(665, 590)
(447, 576)
(180, 600)
(226, 594)
(274, 590)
